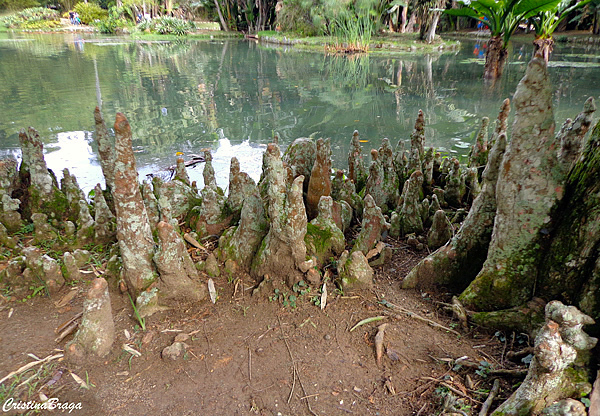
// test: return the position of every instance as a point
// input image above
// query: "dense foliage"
(167, 26)
(32, 19)
(113, 22)
(90, 12)
(313, 17)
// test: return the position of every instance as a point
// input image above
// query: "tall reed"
(352, 32)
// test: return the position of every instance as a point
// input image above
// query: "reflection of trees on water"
(177, 94)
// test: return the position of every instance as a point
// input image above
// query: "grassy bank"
(199, 35)
(380, 43)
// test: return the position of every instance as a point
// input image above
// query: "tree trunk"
(543, 47)
(432, 26)
(458, 262)
(404, 16)
(495, 58)
(530, 183)
(571, 267)
(545, 241)
(223, 22)
(410, 25)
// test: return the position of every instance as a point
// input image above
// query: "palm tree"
(502, 17)
(546, 23)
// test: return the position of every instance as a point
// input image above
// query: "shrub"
(302, 17)
(32, 18)
(112, 23)
(167, 26)
(90, 12)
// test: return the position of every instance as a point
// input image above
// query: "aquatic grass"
(352, 33)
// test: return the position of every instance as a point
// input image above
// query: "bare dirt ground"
(251, 355)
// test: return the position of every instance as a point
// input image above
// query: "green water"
(234, 96)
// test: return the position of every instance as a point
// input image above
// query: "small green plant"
(244, 309)
(290, 301)
(87, 380)
(28, 388)
(484, 369)
(277, 295)
(5, 254)
(25, 229)
(283, 297)
(301, 288)
(36, 290)
(142, 321)
(316, 300)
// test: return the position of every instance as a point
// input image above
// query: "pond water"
(234, 96)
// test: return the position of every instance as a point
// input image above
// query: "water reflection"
(73, 150)
(178, 95)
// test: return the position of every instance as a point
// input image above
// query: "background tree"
(429, 12)
(545, 236)
(502, 17)
(249, 16)
(546, 23)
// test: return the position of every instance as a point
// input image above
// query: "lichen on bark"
(457, 263)
(553, 374)
(531, 181)
(133, 227)
(96, 332)
(283, 251)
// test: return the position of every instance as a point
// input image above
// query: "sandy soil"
(251, 355)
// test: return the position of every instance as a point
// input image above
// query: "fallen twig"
(193, 242)
(249, 364)
(130, 350)
(379, 343)
(68, 330)
(367, 321)
(295, 373)
(517, 372)
(419, 317)
(31, 365)
(485, 408)
(517, 355)
(421, 409)
(453, 389)
(388, 384)
(66, 324)
(66, 298)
